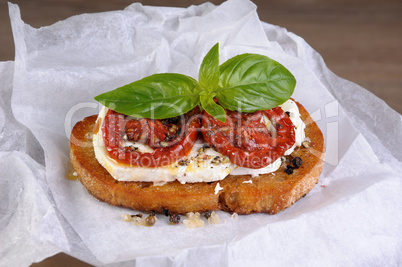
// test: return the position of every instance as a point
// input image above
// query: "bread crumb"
(150, 220)
(138, 221)
(214, 218)
(127, 217)
(193, 220)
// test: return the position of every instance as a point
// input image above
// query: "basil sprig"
(247, 83)
(209, 80)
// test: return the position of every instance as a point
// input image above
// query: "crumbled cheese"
(218, 188)
(234, 216)
(88, 135)
(202, 164)
(248, 182)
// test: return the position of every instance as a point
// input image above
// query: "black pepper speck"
(207, 214)
(174, 218)
(288, 169)
(297, 162)
(166, 212)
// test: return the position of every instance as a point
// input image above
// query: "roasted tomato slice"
(170, 139)
(251, 140)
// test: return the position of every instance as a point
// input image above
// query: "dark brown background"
(360, 40)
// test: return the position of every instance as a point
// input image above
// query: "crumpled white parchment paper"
(352, 216)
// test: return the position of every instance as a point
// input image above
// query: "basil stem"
(209, 105)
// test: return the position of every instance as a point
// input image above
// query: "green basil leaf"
(208, 76)
(158, 96)
(251, 82)
(209, 105)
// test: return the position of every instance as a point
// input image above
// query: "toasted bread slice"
(268, 193)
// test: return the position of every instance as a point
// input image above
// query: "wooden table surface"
(360, 40)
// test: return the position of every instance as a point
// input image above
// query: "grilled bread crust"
(268, 193)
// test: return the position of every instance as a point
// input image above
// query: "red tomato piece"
(246, 139)
(171, 139)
